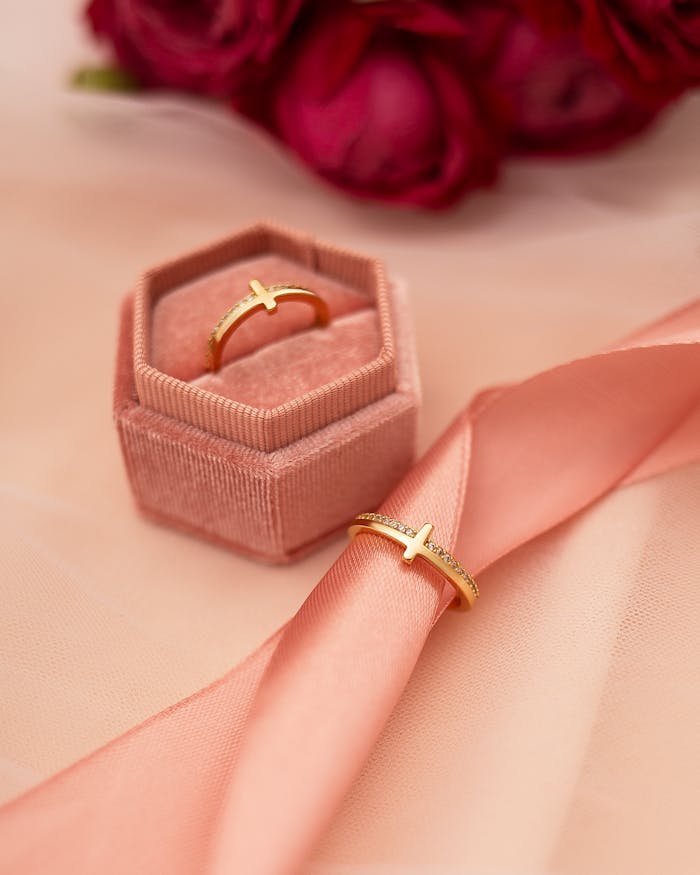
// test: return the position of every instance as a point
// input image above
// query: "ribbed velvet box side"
(271, 505)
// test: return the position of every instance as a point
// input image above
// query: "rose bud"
(653, 46)
(215, 48)
(553, 95)
(384, 112)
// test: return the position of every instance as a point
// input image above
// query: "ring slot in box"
(300, 428)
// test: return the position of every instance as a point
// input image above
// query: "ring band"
(266, 297)
(419, 543)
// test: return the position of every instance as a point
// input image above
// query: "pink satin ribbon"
(244, 776)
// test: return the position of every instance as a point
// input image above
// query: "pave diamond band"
(266, 297)
(418, 542)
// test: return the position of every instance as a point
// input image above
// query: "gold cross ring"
(419, 543)
(260, 297)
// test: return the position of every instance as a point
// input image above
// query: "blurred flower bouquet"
(413, 101)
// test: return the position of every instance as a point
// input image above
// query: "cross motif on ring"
(263, 295)
(416, 545)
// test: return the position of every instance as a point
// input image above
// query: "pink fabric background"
(571, 750)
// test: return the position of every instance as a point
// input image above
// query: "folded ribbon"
(243, 776)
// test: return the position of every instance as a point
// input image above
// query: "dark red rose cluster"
(417, 101)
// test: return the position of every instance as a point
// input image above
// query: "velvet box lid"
(300, 429)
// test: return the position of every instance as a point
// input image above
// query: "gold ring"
(266, 297)
(419, 543)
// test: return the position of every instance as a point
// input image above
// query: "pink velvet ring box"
(300, 429)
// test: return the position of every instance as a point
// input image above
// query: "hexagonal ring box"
(300, 429)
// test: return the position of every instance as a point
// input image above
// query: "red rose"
(554, 96)
(214, 47)
(382, 110)
(652, 45)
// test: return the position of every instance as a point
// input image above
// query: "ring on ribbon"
(419, 543)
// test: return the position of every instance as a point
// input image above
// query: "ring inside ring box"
(268, 361)
(300, 428)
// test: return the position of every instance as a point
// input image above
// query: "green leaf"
(104, 79)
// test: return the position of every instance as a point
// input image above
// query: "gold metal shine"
(261, 297)
(419, 543)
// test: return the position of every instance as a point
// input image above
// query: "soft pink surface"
(280, 739)
(554, 729)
